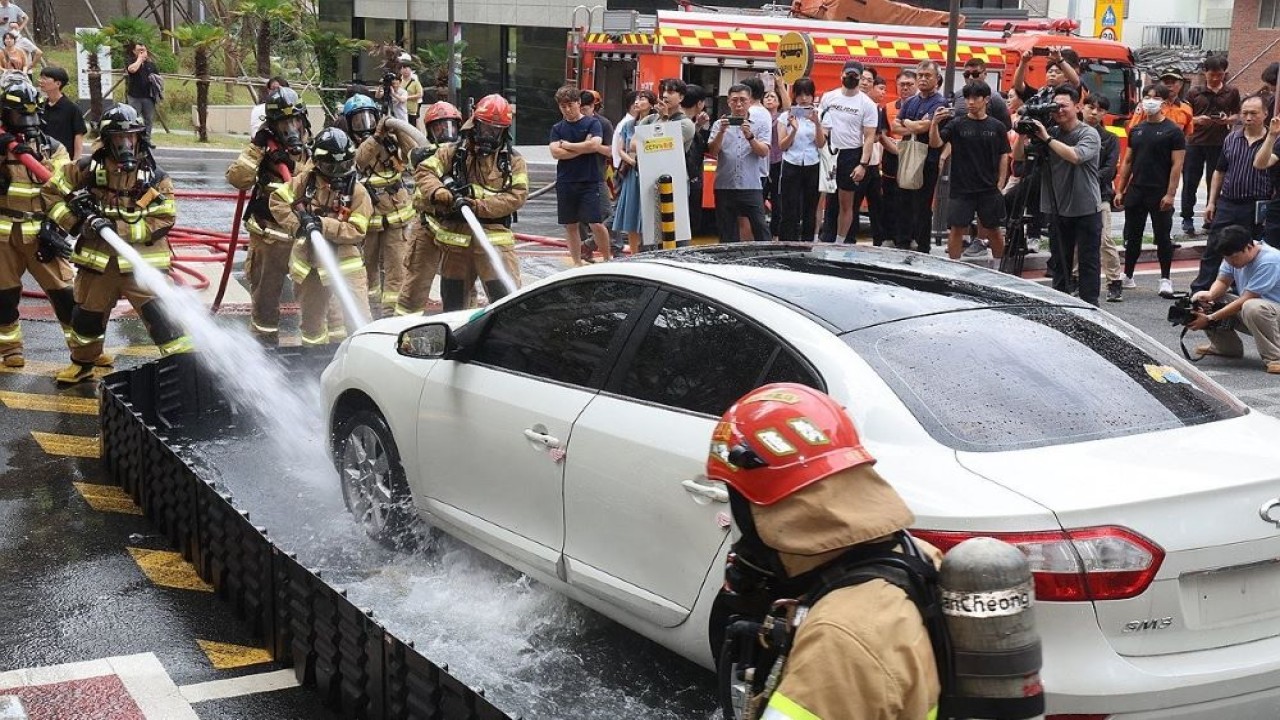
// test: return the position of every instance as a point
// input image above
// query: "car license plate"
(1247, 592)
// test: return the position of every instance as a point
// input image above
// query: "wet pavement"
(91, 593)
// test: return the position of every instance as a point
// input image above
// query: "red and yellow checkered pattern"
(630, 39)
(737, 42)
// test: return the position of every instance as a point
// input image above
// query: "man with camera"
(1254, 269)
(741, 145)
(1068, 189)
(1059, 70)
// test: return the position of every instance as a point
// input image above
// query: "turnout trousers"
(266, 268)
(18, 257)
(421, 265)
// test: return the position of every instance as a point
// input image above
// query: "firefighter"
(324, 197)
(279, 143)
(29, 243)
(805, 498)
(483, 172)
(441, 121)
(118, 187)
(381, 157)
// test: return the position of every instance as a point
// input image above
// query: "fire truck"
(717, 49)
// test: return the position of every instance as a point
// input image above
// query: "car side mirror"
(429, 342)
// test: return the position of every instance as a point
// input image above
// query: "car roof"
(849, 288)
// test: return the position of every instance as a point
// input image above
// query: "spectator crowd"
(795, 162)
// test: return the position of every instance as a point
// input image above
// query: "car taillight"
(1082, 564)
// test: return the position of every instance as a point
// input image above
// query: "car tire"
(372, 480)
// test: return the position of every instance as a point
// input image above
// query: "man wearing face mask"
(850, 119)
(1148, 179)
(278, 145)
(117, 187)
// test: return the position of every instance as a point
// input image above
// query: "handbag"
(911, 157)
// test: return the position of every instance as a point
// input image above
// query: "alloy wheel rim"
(366, 478)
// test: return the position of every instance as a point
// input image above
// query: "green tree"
(329, 47)
(265, 14)
(434, 61)
(126, 32)
(94, 41)
(203, 39)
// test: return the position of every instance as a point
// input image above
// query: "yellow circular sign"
(795, 56)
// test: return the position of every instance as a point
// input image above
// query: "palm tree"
(203, 38)
(434, 59)
(126, 32)
(93, 42)
(328, 47)
(264, 13)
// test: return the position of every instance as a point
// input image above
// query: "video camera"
(1183, 310)
(1041, 110)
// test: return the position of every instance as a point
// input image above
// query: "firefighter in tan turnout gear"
(279, 143)
(324, 197)
(117, 187)
(381, 158)
(809, 506)
(29, 243)
(483, 172)
(423, 263)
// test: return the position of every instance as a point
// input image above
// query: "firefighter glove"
(462, 201)
(263, 137)
(308, 223)
(443, 197)
(82, 204)
(52, 243)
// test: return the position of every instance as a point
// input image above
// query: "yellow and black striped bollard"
(667, 212)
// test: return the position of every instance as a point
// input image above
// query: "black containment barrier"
(358, 667)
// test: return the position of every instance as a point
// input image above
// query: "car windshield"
(1020, 377)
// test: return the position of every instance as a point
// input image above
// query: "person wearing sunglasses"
(975, 70)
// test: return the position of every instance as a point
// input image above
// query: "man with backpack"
(825, 560)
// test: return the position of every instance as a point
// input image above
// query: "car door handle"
(542, 438)
(714, 493)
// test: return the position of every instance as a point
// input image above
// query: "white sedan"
(564, 430)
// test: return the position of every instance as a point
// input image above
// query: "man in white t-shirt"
(849, 118)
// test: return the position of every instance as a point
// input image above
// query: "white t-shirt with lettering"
(845, 116)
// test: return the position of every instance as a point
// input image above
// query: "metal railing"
(1214, 39)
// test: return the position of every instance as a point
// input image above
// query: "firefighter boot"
(10, 330)
(453, 294)
(75, 373)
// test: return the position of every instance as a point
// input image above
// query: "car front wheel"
(372, 479)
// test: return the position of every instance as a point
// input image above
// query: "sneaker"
(15, 361)
(1128, 282)
(974, 249)
(1166, 288)
(1209, 349)
(75, 373)
(1189, 229)
(1115, 291)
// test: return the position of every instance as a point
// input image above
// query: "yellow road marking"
(225, 656)
(107, 498)
(50, 403)
(49, 369)
(144, 351)
(167, 569)
(72, 445)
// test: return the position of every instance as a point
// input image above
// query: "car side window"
(560, 334)
(702, 358)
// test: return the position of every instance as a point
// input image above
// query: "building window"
(1269, 13)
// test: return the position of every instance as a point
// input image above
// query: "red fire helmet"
(781, 438)
(494, 110)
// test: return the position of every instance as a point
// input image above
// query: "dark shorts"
(578, 202)
(846, 162)
(988, 206)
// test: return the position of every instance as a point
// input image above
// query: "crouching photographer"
(1254, 269)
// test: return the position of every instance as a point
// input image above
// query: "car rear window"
(1020, 377)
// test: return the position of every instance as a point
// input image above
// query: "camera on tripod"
(1041, 110)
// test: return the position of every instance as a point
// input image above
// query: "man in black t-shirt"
(979, 154)
(1147, 182)
(62, 119)
(139, 88)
